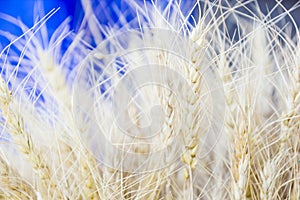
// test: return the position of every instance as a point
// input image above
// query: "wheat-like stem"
(15, 125)
(69, 145)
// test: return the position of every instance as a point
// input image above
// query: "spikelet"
(169, 105)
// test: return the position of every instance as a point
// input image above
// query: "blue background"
(24, 10)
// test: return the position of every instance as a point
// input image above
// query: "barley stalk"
(51, 121)
(16, 127)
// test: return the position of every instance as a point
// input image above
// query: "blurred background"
(26, 12)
